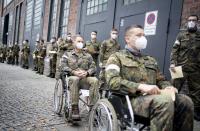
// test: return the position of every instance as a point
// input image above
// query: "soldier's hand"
(171, 88)
(149, 89)
(100, 65)
(172, 67)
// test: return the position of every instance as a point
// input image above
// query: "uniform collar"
(133, 52)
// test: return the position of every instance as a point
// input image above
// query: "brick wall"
(46, 20)
(190, 7)
(72, 20)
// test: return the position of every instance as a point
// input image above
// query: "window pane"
(96, 6)
(92, 3)
(104, 7)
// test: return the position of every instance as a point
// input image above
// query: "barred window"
(29, 13)
(37, 13)
(64, 18)
(96, 6)
(6, 2)
(53, 16)
(127, 2)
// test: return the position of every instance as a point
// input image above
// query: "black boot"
(197, 114)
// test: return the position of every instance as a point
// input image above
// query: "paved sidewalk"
(26, 102)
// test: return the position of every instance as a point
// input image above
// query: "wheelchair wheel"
(58, 97)
(67, 107)
(103, 117)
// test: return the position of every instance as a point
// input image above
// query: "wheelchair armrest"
(119, 92)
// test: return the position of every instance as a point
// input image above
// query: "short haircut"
(78, 35)
(27, 40)
(129, 28)
(94, 31)
(194, 15)
(69, 33)
(114, 29)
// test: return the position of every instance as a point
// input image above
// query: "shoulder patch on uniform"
(113, 67)
(177, 42)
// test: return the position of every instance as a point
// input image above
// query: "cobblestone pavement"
(26, 102)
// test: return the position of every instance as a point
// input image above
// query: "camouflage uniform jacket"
(16, 49)
(125, 71)
(53, 48)
(186, 51)
(73, 61)
(62, 47)
(10, 52)
(93, 48)
(107, 48)
(69, 45)
(25, 49)
(42, 51)
(36, 51)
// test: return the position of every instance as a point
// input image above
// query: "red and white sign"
(150, 22)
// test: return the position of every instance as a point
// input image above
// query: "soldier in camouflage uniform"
(93, 46)
(69, 43)
(1, 53)
(16, 50)
(10, 54)
(35, 56)
(25, 51)
(186, 53)
(107, 48)
(41, 56)
(151, 95)
(53, 57)
(62, 47)
(81, 69)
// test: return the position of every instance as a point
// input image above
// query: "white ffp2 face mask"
(191, 24)
(114, 36)
(79, 45)
(141, 43)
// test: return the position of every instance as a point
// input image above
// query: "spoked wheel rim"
(58, 97)
(102, 118)
(67, 107)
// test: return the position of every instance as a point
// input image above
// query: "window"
(29, 12)
(10, 22)
(127, 2)
(54, 5)
(96, 6)
(64, 18)
(6, 2)
(37, 13)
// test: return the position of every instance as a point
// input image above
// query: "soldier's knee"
(74, 78)
(165, 102)
(185, 102)
(93, 80)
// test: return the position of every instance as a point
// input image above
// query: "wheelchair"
(62, 101)
(115, 113)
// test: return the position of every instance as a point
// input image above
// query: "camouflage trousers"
(25, 62)
(41, 65)
(75, 83)
(192, 85)
(35, 63)
(164, 113)
(16, 59)
(53, 65)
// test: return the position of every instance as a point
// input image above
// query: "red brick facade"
(190, 7)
